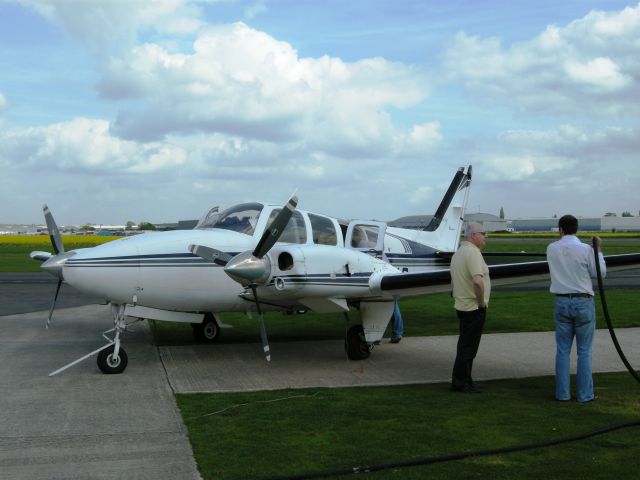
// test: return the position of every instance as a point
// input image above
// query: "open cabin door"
(366, 236)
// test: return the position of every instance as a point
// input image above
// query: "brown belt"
(574, 295)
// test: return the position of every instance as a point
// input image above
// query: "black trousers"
(471, 325)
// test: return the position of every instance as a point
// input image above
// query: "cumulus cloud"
(3, 102)
(599, 72)
(255, 9)
(590, 65)
(567, 169)
(222, 101)
(83, 145)
(108, 27)
(553, 157)
(420, 195)
(240, 81)
(418, 141)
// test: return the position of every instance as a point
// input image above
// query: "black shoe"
(475, 384)
(467, 388)
(395, 339)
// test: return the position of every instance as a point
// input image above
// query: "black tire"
(106, 363)
(208, 331)
(356, 346)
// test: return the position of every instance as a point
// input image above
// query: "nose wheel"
(111, 358)
(110, 363)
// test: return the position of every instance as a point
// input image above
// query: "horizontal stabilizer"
(40, 256)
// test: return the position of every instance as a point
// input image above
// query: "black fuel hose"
(456, 456)
(605, 311)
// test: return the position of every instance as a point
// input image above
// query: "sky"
(114, 111)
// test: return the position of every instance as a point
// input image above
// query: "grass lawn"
(524, 311)
(283, 433)
(15, 249)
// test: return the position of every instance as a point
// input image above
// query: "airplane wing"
(407, 284)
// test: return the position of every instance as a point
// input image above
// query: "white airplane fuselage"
(255, 257)
(157, 270)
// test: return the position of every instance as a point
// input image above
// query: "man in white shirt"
(572, 265)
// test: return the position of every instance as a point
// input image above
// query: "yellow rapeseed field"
(79, 240)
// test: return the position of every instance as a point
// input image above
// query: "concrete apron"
(242, 367)
(81, 423)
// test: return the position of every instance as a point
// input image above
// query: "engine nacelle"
(300, 271)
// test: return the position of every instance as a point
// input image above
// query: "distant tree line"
(129, 226)
(624, 214)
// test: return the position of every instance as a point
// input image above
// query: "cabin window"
(364, 236)
(240, 218)
(323, 230)
(295, 231)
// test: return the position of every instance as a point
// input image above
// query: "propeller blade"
(263, 331)
(263, 337)
(210, 254)
(53, 304)
(54, 233)
(275, 228)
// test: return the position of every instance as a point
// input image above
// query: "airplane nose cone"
(54, 265)
(247, 269)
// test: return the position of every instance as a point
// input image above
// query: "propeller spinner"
(251, 269)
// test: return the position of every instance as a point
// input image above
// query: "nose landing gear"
(112, 359)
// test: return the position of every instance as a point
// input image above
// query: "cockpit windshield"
(241, 218)
(208, 219)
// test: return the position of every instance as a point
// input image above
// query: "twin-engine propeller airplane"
(257, 257)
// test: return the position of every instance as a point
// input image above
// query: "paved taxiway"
(82, 424)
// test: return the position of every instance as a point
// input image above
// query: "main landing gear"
(355, 344)
(208, 331)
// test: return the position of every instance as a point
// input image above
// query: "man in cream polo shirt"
(471, 290)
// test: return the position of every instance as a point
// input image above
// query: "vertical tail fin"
(460, 180)
(443, 232)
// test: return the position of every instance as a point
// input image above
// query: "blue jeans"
(574, 317)
(397, 330)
